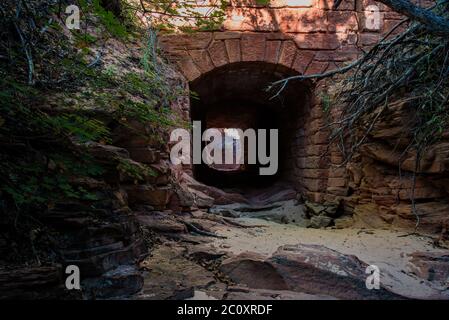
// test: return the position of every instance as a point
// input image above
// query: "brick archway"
(235, 96)
(199, 53)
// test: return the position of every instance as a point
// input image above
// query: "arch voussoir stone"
(234, 50)
(218, 53)
(200, 53)
(202, 59)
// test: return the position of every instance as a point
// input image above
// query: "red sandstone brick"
(272, 50)
(336, 182)
(218, 53)
(315, 150)
(251, 19)
(338, 191)
(311, 163)
(316, 112)
(227, 35)
(301, 20)
(189, 69)
(233, 49)
(199, 40)
(317, 41)
(202, 60)
(388, 25)
(288, 53)
(177, 55)
(342, 21)
(341, 55)
(368, 39)
(302, 60)
(320, 137)
(315, 185)
(393, 15)
(278, 36)
(336, 158)
(315, 125)
(253, 47)
(301, 163)
(337, 172)
(317, 67)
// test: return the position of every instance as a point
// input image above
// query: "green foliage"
(81, 127)
(83, 40)
(43, 160)
(185, 12)
(326, 102)
(138, 172)
(33, 183)
(36, 167)
(51, 99)
(107, 18)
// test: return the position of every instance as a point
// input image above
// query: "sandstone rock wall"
(381, 179)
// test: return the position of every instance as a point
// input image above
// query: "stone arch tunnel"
(258, 44)
(235, 96)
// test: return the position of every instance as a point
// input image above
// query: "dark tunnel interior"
(235, 97)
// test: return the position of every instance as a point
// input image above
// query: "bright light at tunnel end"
(226, 146)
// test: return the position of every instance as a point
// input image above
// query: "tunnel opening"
(234, 96)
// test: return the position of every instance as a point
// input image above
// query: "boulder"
(161, 222)
(170, 275)
(146, 174)
(432, 267)
(149, 195)
(289, 212)
(220, 197)
(106, 152)
(344, 222)
(254, 271)
(145, 155)
(274, 194)
(182, 199)
(317, 269)
(122, 281)
(204, 253)
(311, 269)
(44, 282)
(314, 209)
(326, 209)
(201, 199)
(318, 222)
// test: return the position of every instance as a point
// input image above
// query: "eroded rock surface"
(311, 269)
(432, 267)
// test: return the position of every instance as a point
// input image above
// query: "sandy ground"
(384, 248)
